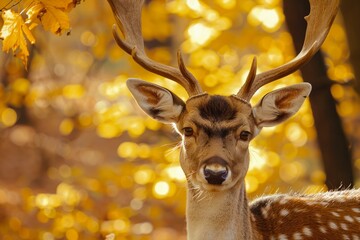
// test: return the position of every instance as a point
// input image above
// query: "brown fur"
(331, 215)
(217, 108)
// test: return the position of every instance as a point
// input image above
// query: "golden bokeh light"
(251, 183)
(201, 34)
(88, 38)
(66, 126)
(161, 189)
(73, 91)
(269, 19)
(144, 176)
(226, 4)
(296, 134)
(194, 5)
(8, 117)
(175, 173)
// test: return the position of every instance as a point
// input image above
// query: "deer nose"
(215, 170)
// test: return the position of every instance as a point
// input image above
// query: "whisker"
(173, 148)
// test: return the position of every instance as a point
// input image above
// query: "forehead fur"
(215, 108)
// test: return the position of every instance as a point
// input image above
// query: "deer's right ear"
(158, 102)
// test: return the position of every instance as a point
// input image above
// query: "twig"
(6, 6)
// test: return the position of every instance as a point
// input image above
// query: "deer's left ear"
(158, 102)
(277, 106)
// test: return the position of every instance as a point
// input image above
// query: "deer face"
(216, 130)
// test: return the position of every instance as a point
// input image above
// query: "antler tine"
(320, 19)
(128, 18)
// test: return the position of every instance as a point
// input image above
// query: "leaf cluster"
(17, 27)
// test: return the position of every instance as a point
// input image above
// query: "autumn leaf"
(52, 14)
(56, 3)
(35, 12)
(14, 33)
(55, 20)
(72, 5)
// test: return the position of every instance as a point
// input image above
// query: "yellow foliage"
(66, 126)
(55, 20)
(14, 32)
(52, 14)
(8, 117)
(73, 91)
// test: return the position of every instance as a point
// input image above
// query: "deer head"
(216, 130)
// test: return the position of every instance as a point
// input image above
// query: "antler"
(128, 17)
(322, 14)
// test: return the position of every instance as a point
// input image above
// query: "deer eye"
(188, 131)
(245, 136)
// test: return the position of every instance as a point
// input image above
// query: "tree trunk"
(351, 10)
(333, 144)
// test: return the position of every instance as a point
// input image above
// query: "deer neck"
(219, 215)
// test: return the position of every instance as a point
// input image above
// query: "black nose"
(215, 170)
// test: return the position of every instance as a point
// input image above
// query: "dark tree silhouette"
(351, 10)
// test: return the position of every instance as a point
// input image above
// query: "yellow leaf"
(57, 4)
(28, 33)
(35, 12)
(55, 20)
(51, 13)
(72, 5)
(14, 32)
(32, 25)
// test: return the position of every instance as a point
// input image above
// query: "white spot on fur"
(357, 210)
(297, 236)
(333, 225)
(355, 237)
(349, 219)
(346, 237)
(282, 237)
(307, 231)
(284, 212)
(283, 201)
(322, 229)
(344, 226)
(265, 211)
(335, 214)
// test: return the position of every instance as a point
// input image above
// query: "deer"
(215, 133)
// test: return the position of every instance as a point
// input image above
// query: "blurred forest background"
(79, 159)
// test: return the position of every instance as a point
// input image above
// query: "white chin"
(214, 188)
